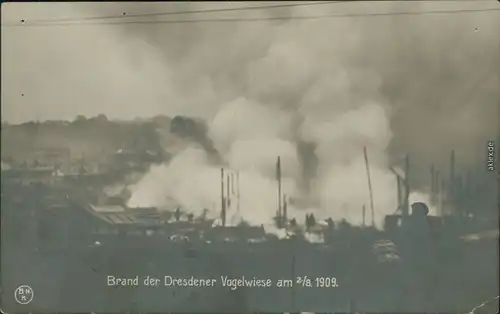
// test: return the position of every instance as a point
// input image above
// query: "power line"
(249, 8)
(257, 19)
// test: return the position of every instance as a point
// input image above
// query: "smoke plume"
(418, 84)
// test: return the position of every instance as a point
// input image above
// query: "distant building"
(110, 219)
(51, 156)
(45, 175)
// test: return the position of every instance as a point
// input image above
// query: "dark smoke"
(318, 90)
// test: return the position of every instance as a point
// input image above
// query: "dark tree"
(80, 118)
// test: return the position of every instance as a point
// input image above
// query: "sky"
(130, 70)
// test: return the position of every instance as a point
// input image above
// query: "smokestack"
(278, 178)
(406, 202)
(223, 201)
(228, 195)
(369, 186)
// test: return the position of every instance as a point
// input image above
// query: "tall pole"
(285, 208)
(443, 200)
(369, 185)
(238, 191)
(399, 196)
(228, 195)
(451, 195)
(436, 182)
(458, 194)
(433, 179)
(406, 201)
(433, 184)
(363, 212)
(278, 178)
(233, 192)
(223, 201)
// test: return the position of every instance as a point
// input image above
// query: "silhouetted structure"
(177, 214)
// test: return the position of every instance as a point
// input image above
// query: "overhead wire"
(258, 19)
(249, 8)
(217, 10)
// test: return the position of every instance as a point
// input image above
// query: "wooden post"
(406, 201)
(444, 210)
(370, 190)
(238, 191)
(363, 213)
(433, 181)
(434, 184)
(285, 208)
(278, 178)
(458, 194)
(451, 194)
(399, 196)
(233, 192)
(223, 201)
(437, 182)
(228, 192)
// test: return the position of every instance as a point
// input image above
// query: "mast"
(451, 195)
(223, 201)
(238, 191)
(228, 197)
(278, 178)
(443, 198)
(399, 196)
(363, 212)
(285, 208)
(370, 190)
(433, 183)
(233, 192)
(406, 201)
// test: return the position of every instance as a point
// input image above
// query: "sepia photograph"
(250, 157)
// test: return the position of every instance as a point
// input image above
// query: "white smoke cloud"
(186, 181)
(251, 81)
(341, 109)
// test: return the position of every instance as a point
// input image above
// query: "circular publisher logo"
(24, 294)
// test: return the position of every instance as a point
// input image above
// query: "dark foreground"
(452, 279)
